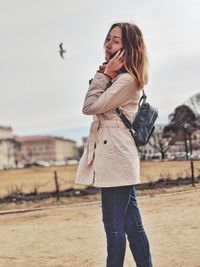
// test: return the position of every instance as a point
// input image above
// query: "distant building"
(47, 148)
(7, 147)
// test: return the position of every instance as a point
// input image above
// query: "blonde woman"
(110, 159)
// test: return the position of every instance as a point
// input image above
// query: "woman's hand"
(115, 64)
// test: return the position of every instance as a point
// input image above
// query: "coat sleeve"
(100, 99)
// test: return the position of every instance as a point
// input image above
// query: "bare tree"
(161, 143)
(194, 103)
(80, 150)
(183, 122)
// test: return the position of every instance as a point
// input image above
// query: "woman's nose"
(109, 45)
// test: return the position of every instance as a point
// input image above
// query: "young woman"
(110, 159)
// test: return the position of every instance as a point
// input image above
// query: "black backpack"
(142, 127)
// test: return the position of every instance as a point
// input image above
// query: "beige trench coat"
(110, 156)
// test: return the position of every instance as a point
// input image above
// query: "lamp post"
(188, 132)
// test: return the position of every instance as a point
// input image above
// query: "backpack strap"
(143, 98)
(126, 122)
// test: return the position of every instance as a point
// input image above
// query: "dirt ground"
(72, 235)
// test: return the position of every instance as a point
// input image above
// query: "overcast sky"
(42, 92)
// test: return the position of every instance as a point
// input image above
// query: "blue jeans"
(121, 217)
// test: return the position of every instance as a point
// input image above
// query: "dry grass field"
(42, 179)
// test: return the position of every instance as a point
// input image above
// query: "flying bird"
(61, 51)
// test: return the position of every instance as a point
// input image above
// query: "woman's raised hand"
(116, 63)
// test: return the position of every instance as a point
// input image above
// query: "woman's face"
(113, 42)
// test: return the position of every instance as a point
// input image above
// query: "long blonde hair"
(136, 60)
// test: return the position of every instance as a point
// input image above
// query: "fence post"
(57, 185)
(192, 172)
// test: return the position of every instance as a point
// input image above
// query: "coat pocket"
(105, 143)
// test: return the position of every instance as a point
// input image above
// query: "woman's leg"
(137, 238)
(114, 204)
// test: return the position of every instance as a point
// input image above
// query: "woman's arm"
(99, 99)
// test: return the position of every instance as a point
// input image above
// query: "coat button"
(105, 141)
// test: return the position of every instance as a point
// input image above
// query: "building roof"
(39, 138)
(9, 128)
